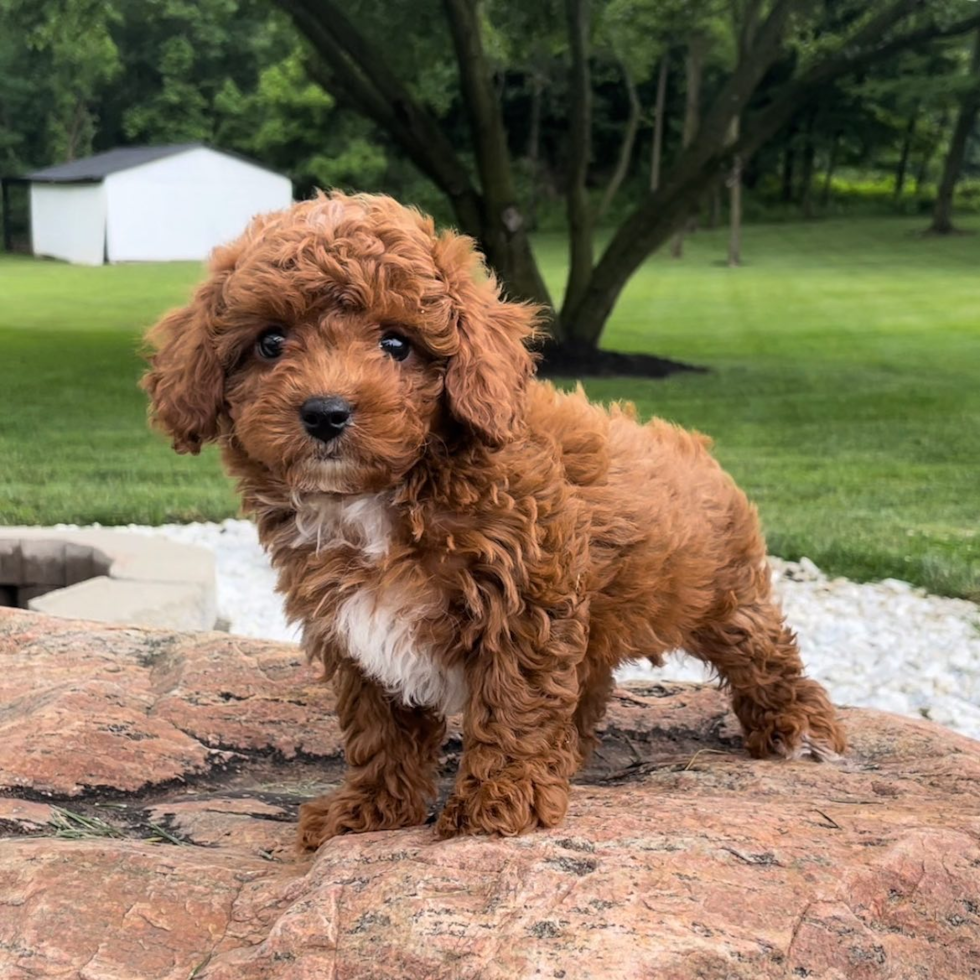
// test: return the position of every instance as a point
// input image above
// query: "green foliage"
(66, 50)
(21, 138)
(859, 194)
(518, 34)
(641, 31)
(179, 112)
(277, 117)
(413, 40)
(180, 59)
(87, 75)
(638, 32)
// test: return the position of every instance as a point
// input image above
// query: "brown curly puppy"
(453, 535)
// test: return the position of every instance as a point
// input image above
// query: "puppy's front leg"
(520, 743)
(391, 753)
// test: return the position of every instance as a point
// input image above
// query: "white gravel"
(883, 645)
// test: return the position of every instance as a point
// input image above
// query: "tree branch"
(770, 120)
(504, 235)
(359, 73)
(697, 47)
(658, 122)
(347, 86)
(755, 61)
(476, 79)
(626, 147)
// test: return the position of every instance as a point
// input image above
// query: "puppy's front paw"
(502, 806)
(355, 810)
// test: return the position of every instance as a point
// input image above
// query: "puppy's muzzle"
(326, 418)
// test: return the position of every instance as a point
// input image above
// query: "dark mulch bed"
(564, 362)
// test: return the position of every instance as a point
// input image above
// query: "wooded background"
(623, 122)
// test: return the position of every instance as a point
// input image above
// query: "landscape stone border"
(108, 576)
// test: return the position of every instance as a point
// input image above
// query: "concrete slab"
(128, 578)
(109, 600)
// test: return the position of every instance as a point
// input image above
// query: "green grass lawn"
(844, 391)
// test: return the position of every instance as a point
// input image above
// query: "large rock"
(149, 783)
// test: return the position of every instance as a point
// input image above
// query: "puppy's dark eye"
(396, 346)
(269, 346)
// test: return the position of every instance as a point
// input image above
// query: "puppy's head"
(334, 341)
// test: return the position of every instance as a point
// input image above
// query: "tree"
(872, 36)
(488, 100)
(942, 217)
(182, 63)
(22, 141)
(894, 109)
(485, 202)
(71, 54)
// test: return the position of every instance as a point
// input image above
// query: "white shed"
(148, 204)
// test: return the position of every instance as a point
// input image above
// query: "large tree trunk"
(694, 64)
(942, 216)
(662, 214)
(658, 124)
(903, 158)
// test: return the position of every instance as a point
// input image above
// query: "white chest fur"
(380, 634)
(379, 626)
(326, 520)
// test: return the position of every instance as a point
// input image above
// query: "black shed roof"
(92, 170)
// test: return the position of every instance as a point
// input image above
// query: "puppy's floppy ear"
(486, 379)
(186, 381)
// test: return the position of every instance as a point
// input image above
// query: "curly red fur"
(476, 539)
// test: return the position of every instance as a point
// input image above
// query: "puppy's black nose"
(325, 418)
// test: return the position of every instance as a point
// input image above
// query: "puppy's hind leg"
(782, 712)
(595, 688)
